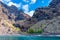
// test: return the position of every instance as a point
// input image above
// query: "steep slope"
(48, 26)
(13, 13)
(10, 15)
(4, 27)
(48, 18)
(48, 12)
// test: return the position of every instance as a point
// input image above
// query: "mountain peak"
(13, 7)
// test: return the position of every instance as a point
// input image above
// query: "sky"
(28, 6)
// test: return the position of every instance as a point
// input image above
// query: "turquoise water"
(29, 38)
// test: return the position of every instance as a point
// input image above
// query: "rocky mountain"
(48, 18)
(13, 11)
(48, 12)
(43, 13)
(44, 19)
(10, 15)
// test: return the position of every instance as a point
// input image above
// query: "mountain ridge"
(47, 12)
(43, 19)
(10, 14)
(48, 19)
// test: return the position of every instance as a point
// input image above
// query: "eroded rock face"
(11, 14)
(51, 27)
(24, 21)
(53, 10)
(48, 18)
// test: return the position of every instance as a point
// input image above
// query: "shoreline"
(15, 35)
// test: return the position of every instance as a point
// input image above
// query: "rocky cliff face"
(11, 15)
(53, 10)
(13, 11)
(48, 18)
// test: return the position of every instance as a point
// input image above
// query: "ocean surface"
(29, 37)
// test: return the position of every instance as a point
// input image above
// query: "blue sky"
(28, 6)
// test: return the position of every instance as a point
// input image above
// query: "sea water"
(29, 37)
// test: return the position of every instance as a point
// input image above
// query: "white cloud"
(15, 4)
(30, 1)
(5, 0)
(33, 1)
(29, 13)
(9, 3)
(1, 0)
(26, 10)
(25, 7)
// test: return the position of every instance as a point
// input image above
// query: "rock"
(11, 14)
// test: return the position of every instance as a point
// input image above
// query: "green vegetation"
(31, 30)
(39, 31)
